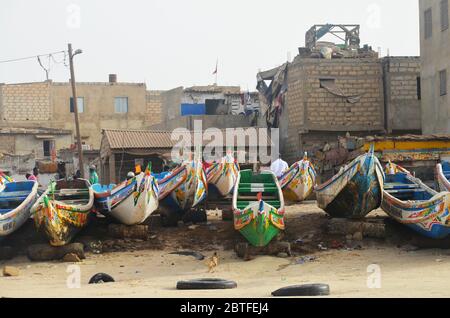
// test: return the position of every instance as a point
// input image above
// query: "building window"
(444, 15)
(443, 82)
(48, 146)
(428, 22)
(121, 105)
(80, 105)
(419, 89)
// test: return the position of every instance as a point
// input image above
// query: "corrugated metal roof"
(148, 139)
(139, 139)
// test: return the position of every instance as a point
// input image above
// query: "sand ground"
(148, 270)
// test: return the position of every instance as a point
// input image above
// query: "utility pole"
(75, 109)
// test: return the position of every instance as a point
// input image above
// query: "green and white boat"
(258, 206)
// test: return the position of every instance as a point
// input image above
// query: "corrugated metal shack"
(122, 150)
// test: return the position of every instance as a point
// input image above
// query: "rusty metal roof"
(119, 139)
(138, 139)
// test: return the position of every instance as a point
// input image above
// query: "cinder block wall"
(154, 101)
(312, 108)
(402, 92)
(27, 104)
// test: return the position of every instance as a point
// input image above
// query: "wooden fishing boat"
(62, 211)
(410, 202)
(169, 181)
(258, 207)
(298, 182)
(16, 200)
(443, 176)
(131, 202)
(193, 190)
(222, 176)
(355, 191)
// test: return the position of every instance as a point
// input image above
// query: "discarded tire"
(207, 283)
(303, 290)
(101, 278)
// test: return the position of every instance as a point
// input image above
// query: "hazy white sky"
(170, 43)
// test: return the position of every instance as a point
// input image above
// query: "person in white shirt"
(279, 166)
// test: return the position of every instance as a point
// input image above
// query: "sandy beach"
(146, 269)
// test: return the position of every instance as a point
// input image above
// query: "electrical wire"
(33, 57)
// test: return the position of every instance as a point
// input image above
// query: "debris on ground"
(71, 258)
(196, 255)
(322, 246)
(305, 259)
(10, 271)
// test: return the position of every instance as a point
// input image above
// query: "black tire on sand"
(303, 291)
(207, 283)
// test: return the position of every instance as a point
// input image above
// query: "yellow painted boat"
(63, 210)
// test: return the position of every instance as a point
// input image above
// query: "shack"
(122, 150)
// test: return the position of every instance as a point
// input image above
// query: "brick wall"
(26, 103)
(154, 100)
(401, 93)
(311, 107)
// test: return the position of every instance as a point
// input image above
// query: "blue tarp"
(193, 109)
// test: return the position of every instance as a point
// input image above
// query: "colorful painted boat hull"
(223, 176)
(429, 216)
(299, 181)
(194, 188)
(61, 220)
(16, 201)
(132, 202)
(355, 191)
(258, 221)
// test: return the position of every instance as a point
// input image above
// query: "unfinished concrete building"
(330, 90)
(215, 106)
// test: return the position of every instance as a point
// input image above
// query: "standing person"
(279, 166)
(36, 173)
(93, 176)
(31, 177)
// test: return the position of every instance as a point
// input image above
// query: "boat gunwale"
(20, 207)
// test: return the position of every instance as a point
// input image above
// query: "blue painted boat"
(16, 200)
(109, 196)
(410, 202)
(355, 191)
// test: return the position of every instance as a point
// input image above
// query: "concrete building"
(216, 106)
(101, 105)
(330, 90)
(435, 58)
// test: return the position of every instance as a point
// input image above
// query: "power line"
(32, 57)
